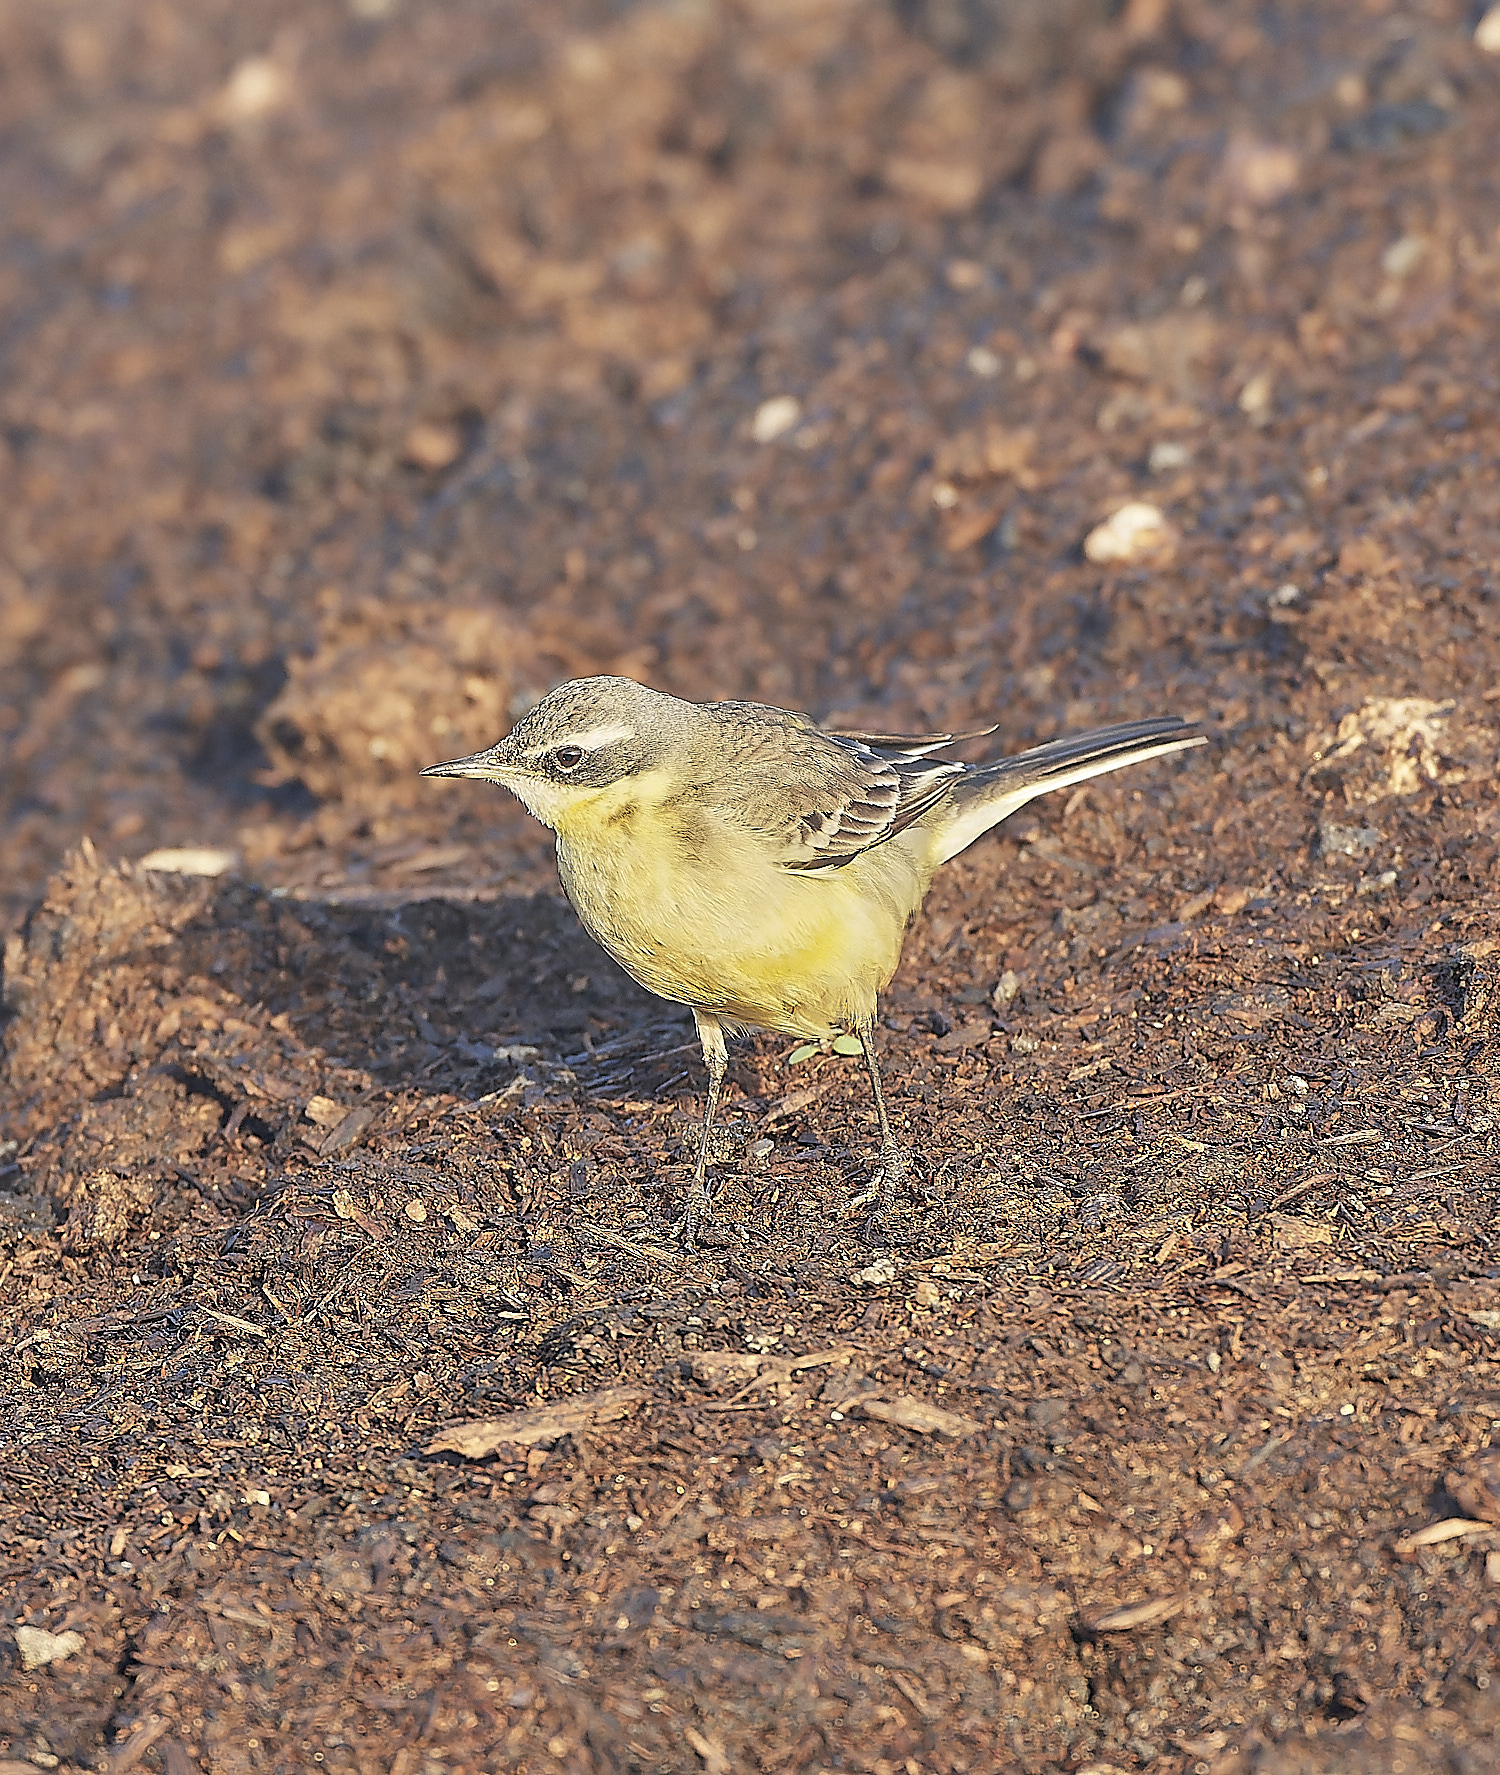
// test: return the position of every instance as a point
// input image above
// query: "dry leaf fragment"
(1136, 1614)
(543, 1423)
(910, 1413)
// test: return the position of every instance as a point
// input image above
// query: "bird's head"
(581, 739)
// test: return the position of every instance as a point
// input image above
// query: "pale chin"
(543, 801)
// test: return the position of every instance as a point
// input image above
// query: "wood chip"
(1136, 1614)
(715, 1759)
(1296, 1235)
(720, 1368)
(1449, 1529)
(346, 1133)
(191, 860)
(910, 1413)
(795, 1101)
(544, 1423)
(345, 1206)
(325, 1112)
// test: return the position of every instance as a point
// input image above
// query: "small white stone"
(983, 362)
(882, 1271)
(1487, 32)
(256, 87)
(1135, 532)
(1005, 992)
(416, 1210)
(38, 1647)
(775, 417)
(1168, 454)
(1403, 256)
(1256, 396)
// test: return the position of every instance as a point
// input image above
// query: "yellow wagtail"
(764, 871)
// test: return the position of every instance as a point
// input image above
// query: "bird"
(741, 860)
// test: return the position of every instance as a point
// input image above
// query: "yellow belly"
(698, 913)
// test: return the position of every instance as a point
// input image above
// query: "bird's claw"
(685, 1228)
(893, 1169)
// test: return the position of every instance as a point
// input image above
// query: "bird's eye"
(568, 757)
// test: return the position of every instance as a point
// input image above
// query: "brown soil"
(372, 366)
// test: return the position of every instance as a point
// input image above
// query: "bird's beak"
(488, 766)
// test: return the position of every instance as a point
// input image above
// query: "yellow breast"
(700, 912)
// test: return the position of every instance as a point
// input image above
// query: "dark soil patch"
(373, 367)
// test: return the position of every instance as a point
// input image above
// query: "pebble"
(255, 89)
(1487, 32)
(38, 1647)
(1260, 173)
(1402, 257)
(775, 417)
(1167, 455)
(1256, 397)
(1005, 991)
(416, 1210)
(1136, 532)
(880, 1272)
(1335, 840)
(432, 444)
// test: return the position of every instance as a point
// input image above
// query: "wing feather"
(869, 794)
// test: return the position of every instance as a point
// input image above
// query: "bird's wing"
(909, 745)
(859, 792)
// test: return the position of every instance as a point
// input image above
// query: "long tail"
(987, 793)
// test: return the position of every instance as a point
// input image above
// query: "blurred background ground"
(369, 367)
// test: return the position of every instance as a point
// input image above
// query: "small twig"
(245, 1325)
(1298, 1190)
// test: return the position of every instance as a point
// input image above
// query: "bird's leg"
(716, 1059)
(894, 1159)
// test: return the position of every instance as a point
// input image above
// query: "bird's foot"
(685, 1229)
(874, 1200)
